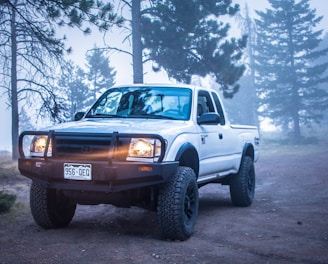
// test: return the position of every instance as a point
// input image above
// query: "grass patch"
(8, 173)
(20, 211)
(6, 202)
(8, 168)
(314, 140)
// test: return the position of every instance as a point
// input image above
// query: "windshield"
(144, 102)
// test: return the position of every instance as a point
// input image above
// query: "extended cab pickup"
(151, 146)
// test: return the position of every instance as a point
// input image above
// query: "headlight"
(144, 148)
(38, 146)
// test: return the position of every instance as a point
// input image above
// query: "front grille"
(89, 147)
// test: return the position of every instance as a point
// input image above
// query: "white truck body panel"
(219, 146)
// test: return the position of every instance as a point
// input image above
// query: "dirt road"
(287, 223)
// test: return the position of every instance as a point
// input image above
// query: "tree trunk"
(136, 43)
(296, 120)
(14, 99)
(297, 130)
(295, 114)
(253, 113)
(295, 95)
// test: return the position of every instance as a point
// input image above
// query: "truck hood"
(128, 125)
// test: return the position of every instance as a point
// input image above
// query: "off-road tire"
(242, 184)
(177, 209)
(50, 209)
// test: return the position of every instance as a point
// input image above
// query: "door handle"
(202, 137)
(220, 135)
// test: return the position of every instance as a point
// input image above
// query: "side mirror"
(78, 116)
(209, 119)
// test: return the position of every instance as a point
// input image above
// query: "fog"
(122, 63)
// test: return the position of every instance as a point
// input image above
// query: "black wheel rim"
(251, 181)
(190, 203)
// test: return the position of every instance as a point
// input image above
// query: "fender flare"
(187, 155)
(248, 150)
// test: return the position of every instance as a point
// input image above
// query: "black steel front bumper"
(110, 173)
(114, 177)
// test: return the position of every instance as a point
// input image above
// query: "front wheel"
(242, 184)
(49, 207)
(178, 205)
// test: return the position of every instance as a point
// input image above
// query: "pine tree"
(186, 38)
(100, 74)
(73, 84)
(323, 60)
(287, 80)
(242, 107)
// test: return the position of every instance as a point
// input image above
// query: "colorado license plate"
(76, 171)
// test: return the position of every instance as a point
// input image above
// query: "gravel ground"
(287, 223)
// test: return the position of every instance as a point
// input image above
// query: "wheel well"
(188, 156)
(248, 150)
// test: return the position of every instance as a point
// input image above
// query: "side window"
(219, 108)
(204, 103)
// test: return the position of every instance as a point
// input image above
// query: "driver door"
(214, 140)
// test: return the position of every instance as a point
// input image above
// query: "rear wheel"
(49, 207)
(178, 205)
(242, 184)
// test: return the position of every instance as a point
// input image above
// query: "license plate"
(76, 171)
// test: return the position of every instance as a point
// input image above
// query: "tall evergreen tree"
(100, 74)
(287, 80)
(321, 60)
(242, 107)
(73, 84)
(187, 38)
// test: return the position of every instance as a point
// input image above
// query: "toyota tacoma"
(146, 145)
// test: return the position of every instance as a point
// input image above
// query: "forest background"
(122, 63)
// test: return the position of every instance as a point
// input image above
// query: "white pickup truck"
(140, 145)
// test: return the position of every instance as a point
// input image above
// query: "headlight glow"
(144, 148)
(38, 146)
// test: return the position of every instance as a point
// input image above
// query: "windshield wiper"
(107, 116)
(148, 116)
(152, 116)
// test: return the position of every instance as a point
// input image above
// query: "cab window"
(204, 103)
(219, 108)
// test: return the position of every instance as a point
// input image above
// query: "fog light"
(145, 168)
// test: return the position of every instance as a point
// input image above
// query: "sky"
(122, 62)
